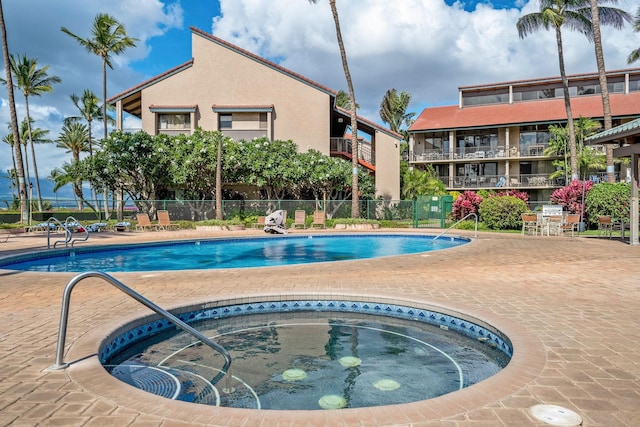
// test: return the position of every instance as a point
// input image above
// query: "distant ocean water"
(46, 189)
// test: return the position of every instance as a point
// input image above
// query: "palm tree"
(355, 197)
(32, 81)
(393, 110)
(108, 37)
(616, 18)
(22, 188)
(554, 14)
(89, 109)
(8, 139)
(635, 54)
(343, 100)
(74, 138)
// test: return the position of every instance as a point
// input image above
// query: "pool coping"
(526, 364)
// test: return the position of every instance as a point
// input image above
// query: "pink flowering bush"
(522, 195)
(468, 202)
(570, 197)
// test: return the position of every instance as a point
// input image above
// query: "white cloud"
(421, 46)
(33, 28)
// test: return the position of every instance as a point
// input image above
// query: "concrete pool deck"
(570, 305)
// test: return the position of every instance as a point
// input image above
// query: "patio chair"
(319, 219)
(144, 223)
(571, 223)
(529, 223)
(605, 225)
(553, 225)
(164, 221)
(299, 219)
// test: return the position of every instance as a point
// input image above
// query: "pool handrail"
(458, 222)
(68, 235)
(64, 318)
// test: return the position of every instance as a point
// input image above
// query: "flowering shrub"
(608, 199)
(522, 195)
(468, 202)
(570, 197)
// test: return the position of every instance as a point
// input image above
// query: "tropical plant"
(635, 54)
(108, 37)
(8, 139)
(467, 203)
(22, 188)
(607, 199)
(393, 111)
(616, 18)
(418, 182)
(554, 14)
(571, 197)
(355, 202)
(69, 173)
(502, 212)
(588, 158)
(89, 109)
(32, 81)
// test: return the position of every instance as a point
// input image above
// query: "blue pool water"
(307, 359)
(227, 253)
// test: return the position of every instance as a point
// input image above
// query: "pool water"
(227, 253)
(309, 361)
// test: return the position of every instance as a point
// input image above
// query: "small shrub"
(502, 212)
(608, 199)
(467, 203)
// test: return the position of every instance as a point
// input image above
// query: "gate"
(431, 211)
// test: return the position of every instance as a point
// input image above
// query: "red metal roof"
(497, 115)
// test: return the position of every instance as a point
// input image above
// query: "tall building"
(496, 137)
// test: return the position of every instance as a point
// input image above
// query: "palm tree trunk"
(567, 104)
(22, 188)
(104, 119)
(355, 196)
(604, 90)
(33, 153)
(219, 214)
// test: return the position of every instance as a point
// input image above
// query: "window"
(226, 121)
(174, 121)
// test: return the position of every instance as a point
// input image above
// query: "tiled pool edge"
(526, 364)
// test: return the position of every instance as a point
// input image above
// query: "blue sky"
(425, 47)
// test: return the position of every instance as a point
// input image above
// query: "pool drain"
(555, 415)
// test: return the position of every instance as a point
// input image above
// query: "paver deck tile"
(572, 302)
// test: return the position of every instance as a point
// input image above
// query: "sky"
(427, 48)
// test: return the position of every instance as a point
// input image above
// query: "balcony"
(478, 154)
(342, 147)
(502, 182)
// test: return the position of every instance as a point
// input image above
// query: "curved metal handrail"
(72, 220)
(67, 233)
(64, 317)
(465, 217)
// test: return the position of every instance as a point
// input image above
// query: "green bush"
(502, 212)
(607, 199)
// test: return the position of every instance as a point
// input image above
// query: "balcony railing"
(343, 145)
(481, 153)
(498, 182)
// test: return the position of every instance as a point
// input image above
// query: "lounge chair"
(299, 219)
(144, 223)
(319, 219)
(121, 226)
(164, 221)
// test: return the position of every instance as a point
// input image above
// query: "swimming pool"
(227, 253)
(309, 354)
